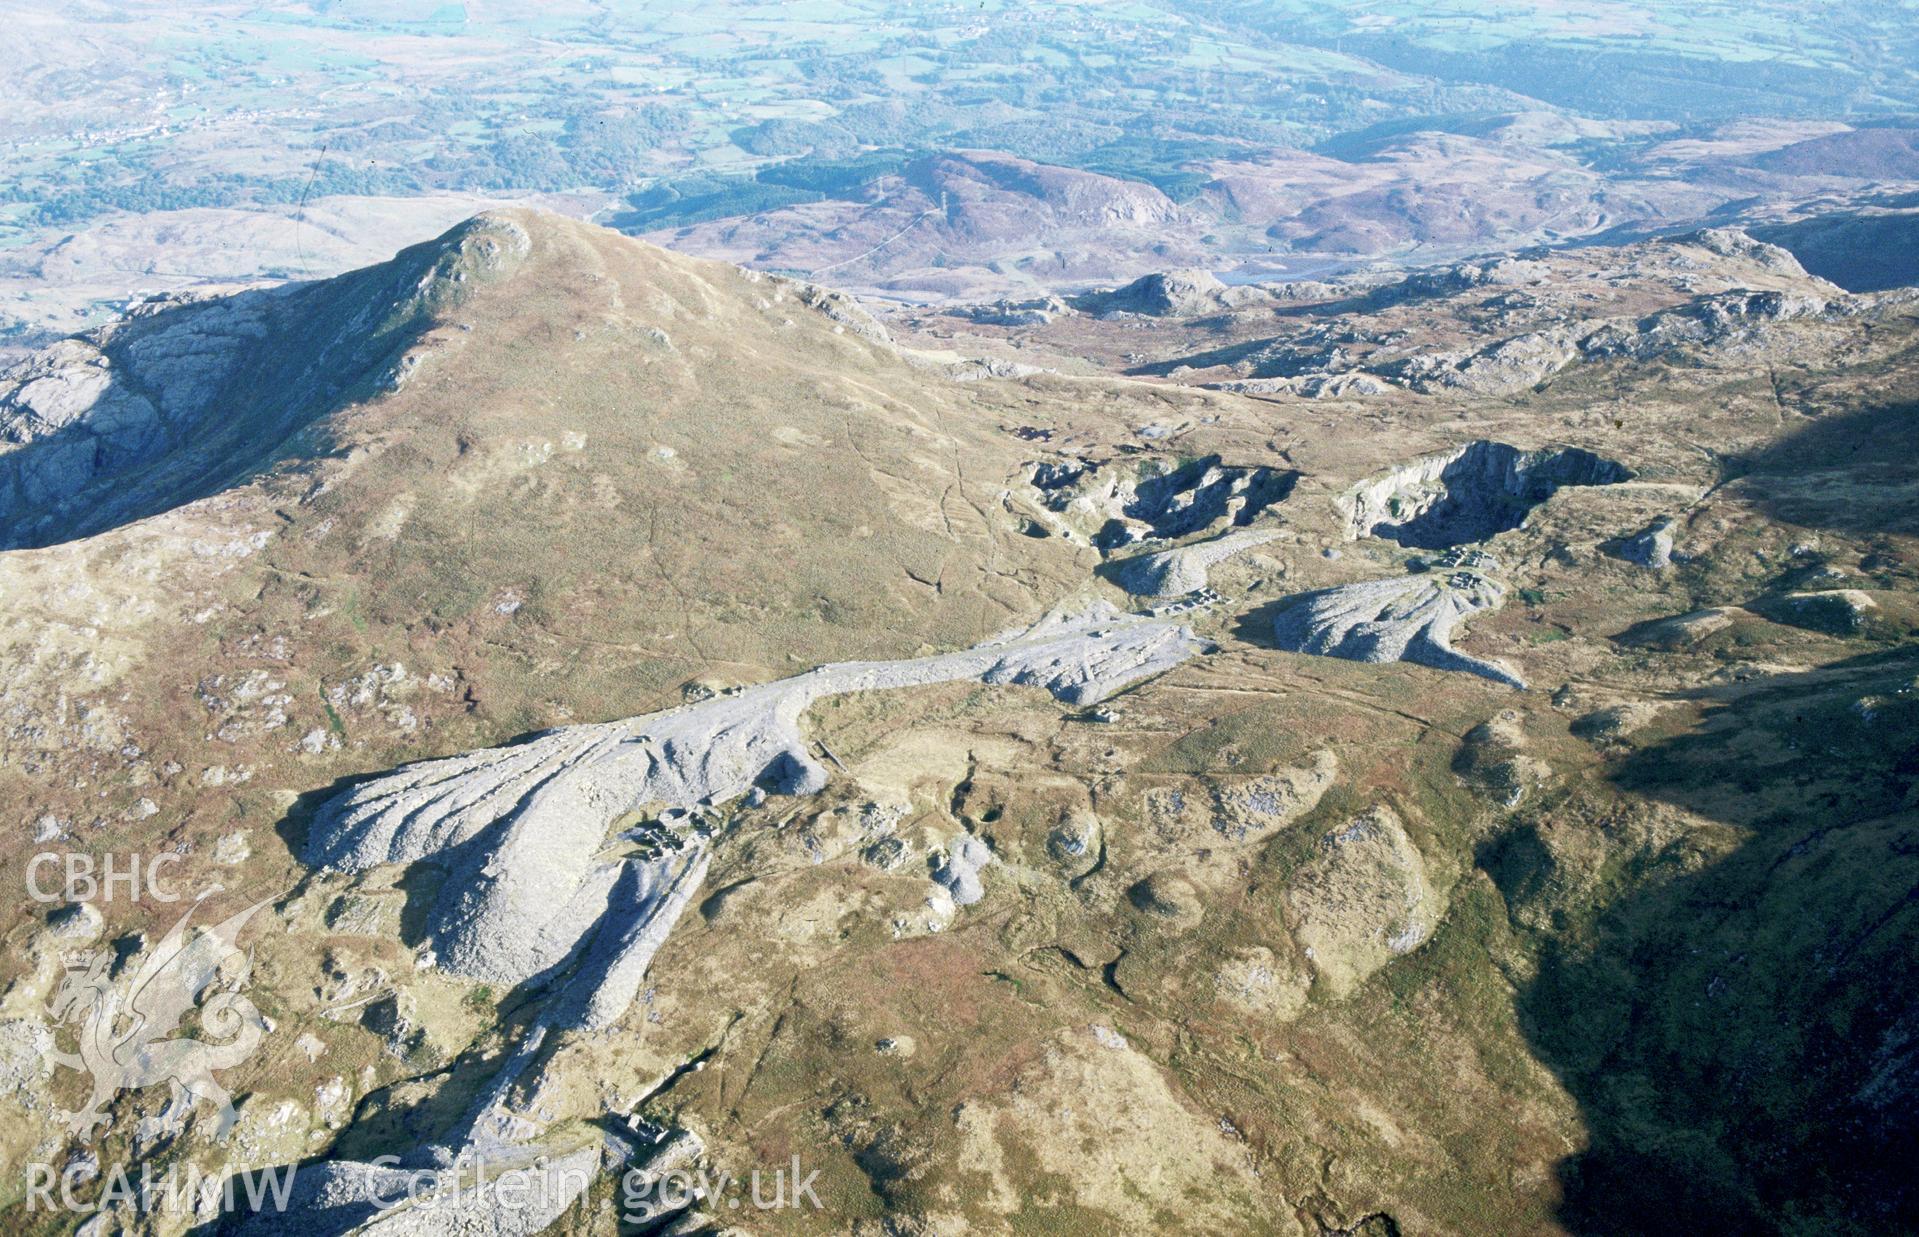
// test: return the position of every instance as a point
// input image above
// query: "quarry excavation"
(1121, 503)
(1469, 494)
(1194, 496)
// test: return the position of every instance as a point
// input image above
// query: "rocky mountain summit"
(184, 396)
(1423, 752)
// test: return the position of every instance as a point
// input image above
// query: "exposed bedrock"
(959, 872)
(1406, 619)
(1840, 611)
(1120, 502)
(1468, 494)
(1170, 294)
(1651, 546)
(182, 397)
(1364, 900)
(518, 831)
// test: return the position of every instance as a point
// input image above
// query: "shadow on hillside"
(1227, 354)
(1742, 1032)
(202, 396)
(1860, 253)
(137, 449)
(1876, 489)
(1255, 626)
(419, 885)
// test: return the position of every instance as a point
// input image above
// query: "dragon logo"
(127, 1030)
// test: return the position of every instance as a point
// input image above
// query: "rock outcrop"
(1364, 900)
(959, 872)
(1231, 813)
(1494, 760)
(1309, 386)
(1723, 322)
(1170, 294)
(1190, 499)
(1651, 546)
(1841, 611)
(1526, 335)
(185, 397)
(1738, 243)
(1035, 311)
(1682, 630)
(1505, 367)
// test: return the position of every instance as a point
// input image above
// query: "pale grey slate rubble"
(521, 1195)
(1406, 619)
(647, 901)
(1173, 573)
(518, 828)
